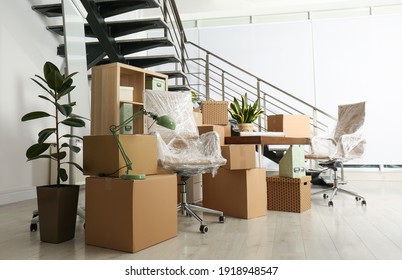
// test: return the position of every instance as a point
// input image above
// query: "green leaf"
(41, 85)
(61, 109)
(34, 115)
(36, 149)
(54, 80)
(65, 92)
(69, 76)
(49, 67)
(63, 174)
(71, 136)
(75, 164)
(41, 156)
(67, 109)
(74, 122)
(61, 156)
(45, 134)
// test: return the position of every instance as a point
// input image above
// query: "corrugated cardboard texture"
(239, 156)
(129, 215)
(215, 112)
(218, 128)
(238, 193)
(289, 194)
(102, 156)
(291, 125)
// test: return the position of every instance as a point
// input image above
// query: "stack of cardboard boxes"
(290, 191)
(239, 188)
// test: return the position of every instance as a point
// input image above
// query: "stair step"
(179, 88)
(147, 61)
(118, 28)
(173, 74)
(106, 8)
(126, 46)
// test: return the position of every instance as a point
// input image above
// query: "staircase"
(209, 75)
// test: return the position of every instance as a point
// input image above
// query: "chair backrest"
(348, 133)
(350, 119)
(177, 105)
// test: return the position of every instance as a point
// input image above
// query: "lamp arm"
(113, 129)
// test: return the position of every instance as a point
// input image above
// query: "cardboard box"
(155, 83)
(102, 156)
(215, 112)
(126, 93)
(197, 118)
(238, 193)
(228, 130)
(218, 128)
(291, 125)
(130, 215)
(292, 164)
(289, 194)
(239, 156)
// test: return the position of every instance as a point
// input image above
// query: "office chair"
(183, 151)
(345, 143)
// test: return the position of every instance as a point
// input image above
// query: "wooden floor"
(346, 231)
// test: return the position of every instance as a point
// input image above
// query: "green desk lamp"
(164, 121)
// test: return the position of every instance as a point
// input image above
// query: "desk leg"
(259, 150)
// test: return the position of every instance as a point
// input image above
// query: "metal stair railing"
(213, 77)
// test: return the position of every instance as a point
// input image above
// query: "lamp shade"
(166, 122)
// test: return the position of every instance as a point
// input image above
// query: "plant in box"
(57, 204)
(245, 114)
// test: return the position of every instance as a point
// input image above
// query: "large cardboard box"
(215, 112)
(238, 193)
(130, 215)
(102, 156)
(291, 125)
(289, 194)
(218, 128)
(239, 156)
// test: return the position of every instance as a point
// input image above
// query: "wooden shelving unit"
(105, 95)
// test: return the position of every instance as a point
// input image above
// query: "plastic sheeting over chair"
(182, 150)
(346, 142)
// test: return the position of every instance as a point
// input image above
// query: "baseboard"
(17, 196)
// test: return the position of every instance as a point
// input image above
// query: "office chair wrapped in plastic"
(345, 143)
(183, 150)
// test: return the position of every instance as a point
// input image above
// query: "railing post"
(223, 85)
(265, 113)
(259, 103)
(314, 122)
(207, 76)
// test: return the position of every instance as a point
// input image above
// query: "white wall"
(25, 45)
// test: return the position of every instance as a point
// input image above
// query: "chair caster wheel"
(33, 227)
(221, 219)
(364, 202)
(330, 203)
(325, 196)
(203, 229)
(357, 198)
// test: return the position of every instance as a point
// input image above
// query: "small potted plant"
(57, 204)
(245, 114)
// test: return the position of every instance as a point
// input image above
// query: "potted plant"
(57, 204)
(245, 114)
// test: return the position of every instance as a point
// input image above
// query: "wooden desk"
(266, 140)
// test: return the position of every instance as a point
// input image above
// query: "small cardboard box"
(291, 125)
(289, 194)
(238, 193)
(215, 112)
(126, 93)
(218, 128)
(239, 156)
(102, 156)
(130, 215)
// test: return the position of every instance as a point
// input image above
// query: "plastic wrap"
(182, 150)
(346, 141)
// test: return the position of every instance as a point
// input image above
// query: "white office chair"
(345, 143)
(183, 151)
